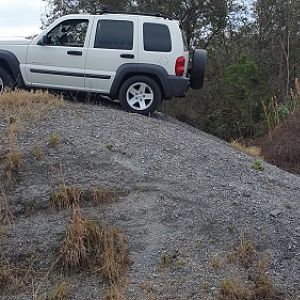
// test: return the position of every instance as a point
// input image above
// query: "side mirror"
(43, 41)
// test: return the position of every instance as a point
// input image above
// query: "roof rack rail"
(106, 11)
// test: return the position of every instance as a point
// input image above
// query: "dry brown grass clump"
(38, 152)
(24, 105)
(13, 155)
(6, 215)
(244, 253)
(250, 150)
(60, 292)
(97, 249)
(15, 277)
(90, 246)
(255, 282)
(54, 140)
(232, 289)
(66, 196)
(102, 196)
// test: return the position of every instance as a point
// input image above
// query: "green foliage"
(257, 165)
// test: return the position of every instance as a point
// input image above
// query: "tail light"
(180, 66)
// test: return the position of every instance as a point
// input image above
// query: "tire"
(199, 61)
(6, 81)
(140, 94)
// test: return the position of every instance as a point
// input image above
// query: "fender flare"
(13, 64)
(127, 70)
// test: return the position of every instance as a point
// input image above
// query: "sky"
(20, 17)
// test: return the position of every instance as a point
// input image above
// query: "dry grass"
(102, 196)
(244, 253)
(90, 246)
(250, 150)
(15, 277)
(38, 152)
(60, 292)
(31, 106)
(6, 216)
(13, 156)
(54, 140)
(232, 289)
(66, 196)
(257, 283)
(216, 262)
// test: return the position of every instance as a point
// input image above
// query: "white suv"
(137, 58)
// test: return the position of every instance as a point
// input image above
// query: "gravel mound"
(187, 197)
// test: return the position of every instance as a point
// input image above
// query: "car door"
(113, 43)
(57, 60)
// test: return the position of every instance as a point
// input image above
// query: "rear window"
(114, 34)
(157, 38)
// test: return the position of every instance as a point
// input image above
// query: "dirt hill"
(81, 183)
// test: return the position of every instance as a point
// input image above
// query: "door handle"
(78, 53)
(130, 56)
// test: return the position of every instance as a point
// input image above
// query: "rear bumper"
(178, 86)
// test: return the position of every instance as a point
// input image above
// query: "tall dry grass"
(23, 105)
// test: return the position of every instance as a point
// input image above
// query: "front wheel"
(6, 81)
(140, 94)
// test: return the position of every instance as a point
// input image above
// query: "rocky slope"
(186, 200)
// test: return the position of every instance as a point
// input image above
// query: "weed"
(148, 290)
(60, 292)
(259, 284)
(168, 260)
(88, 245)
(231, 289)
(103, 196)
(54, 140)
(65, 197)
(15, 277)
(22, 105)
(13, 156)
(38, 152)
(216, 262)
(205, 287)
(231, 228)
(6, 216)
(109, 147)
(244, 253)
(165, 261)
(30, 208)
(288, 206)
(257, 165)
(250, 150)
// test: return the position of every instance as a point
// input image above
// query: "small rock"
(276, 212)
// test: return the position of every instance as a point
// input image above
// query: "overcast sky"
(20, 17)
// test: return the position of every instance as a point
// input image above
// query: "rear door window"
(157, 37)
(114, 34)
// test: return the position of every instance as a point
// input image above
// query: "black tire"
(152, 90)
(6, 81)
(197, 74)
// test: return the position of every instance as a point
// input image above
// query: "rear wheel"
(6, 80)
(197, 73)
(140, 94)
